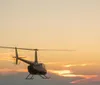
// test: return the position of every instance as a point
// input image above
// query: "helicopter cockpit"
(41, 65)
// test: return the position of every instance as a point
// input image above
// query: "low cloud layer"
(7, 71)
(83, 73)
(70, 74)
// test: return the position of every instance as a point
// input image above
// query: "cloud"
(10, 57)
(92, 79)
(5, 54)
(71, 65)
(78, 78)
(60, 72)
(8, 71)
(70, 74)
(81, 65)
(73, 70)
(6, 59)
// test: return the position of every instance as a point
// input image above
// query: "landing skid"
(44, 77)
(31, 78)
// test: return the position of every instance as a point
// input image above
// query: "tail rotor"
(16, 53)
(17, 56)
(14, 60)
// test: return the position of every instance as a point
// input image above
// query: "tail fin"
(16, 52)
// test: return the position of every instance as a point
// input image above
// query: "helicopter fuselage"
(37, 69)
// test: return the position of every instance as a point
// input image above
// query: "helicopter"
(34, 68)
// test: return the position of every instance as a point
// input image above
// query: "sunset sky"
(52, 24)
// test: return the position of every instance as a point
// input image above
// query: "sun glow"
(73, 65)
(60, 72)
(68, 73)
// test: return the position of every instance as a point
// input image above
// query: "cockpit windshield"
(41, 65)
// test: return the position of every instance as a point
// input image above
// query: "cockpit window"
(41, 65)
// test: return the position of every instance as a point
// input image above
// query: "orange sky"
(52, 24)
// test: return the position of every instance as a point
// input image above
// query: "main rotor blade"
(37, 49)
(16, 47)
(55, 50)
(7, 47)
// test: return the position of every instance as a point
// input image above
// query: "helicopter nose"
(44, 72)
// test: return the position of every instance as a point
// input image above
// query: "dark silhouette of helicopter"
(34, 68)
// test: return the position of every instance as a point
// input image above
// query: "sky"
(52, 24)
